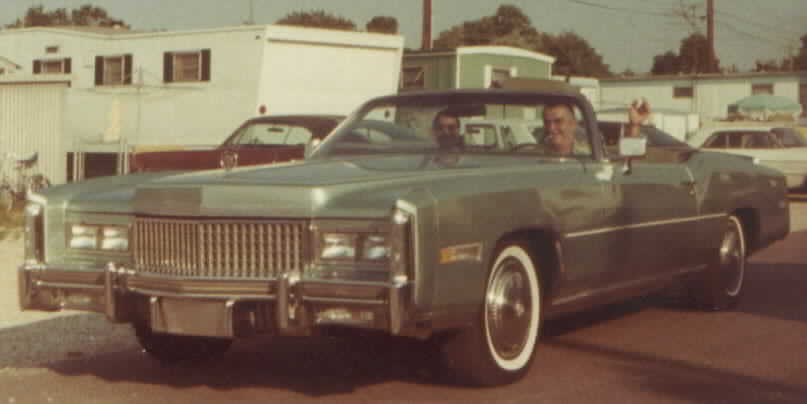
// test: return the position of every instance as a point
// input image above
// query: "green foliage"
(511, 27)
(317, 19)
(86, 15)
(692, 57)
(383, 24)
(666, 63)
(576, 57)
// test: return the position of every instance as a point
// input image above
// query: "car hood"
(359, 187)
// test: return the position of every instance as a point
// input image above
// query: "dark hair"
(566, 105)
(444, 113)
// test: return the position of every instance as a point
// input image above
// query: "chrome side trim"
(61, 285)
(643, 225)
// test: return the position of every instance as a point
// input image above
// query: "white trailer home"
(123, 89)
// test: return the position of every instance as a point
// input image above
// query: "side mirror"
(630, 148)
(310, 146)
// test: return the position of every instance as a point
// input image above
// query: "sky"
(627, 33)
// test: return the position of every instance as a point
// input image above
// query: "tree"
(576, 57)
(666, 63)
(769, 65)
(511, 27)
(317, 19)
(383, 24)
(86, 15)
(91, 15)
(693, 57)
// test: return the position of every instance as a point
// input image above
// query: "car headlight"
(94, 237)
(114, 238)
(338, 246)
(375, 248)
(353, 246)
(34, 232)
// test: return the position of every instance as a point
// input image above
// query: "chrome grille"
(218, 249)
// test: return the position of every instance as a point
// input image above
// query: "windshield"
(282, 131)
(483, 123)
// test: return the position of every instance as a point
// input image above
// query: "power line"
(620, 9)
(753, 36)
(772, 28)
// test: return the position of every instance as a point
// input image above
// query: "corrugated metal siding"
(31, 120)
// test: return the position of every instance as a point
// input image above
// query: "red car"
(261, 140)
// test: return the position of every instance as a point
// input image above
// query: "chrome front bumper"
(219, 308)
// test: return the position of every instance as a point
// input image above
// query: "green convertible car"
(469, 248)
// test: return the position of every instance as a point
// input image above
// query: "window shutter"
(127, 69)
(37, 67)
(205, 64)
(67, 66)
(99, 70)
(168, 67)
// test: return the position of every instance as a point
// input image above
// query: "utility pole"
(710, 32)
(426, 34)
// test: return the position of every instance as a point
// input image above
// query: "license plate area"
(197, 317)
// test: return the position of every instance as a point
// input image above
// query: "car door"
(658, 217)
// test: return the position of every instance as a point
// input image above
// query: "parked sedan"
(385, 228)
(779, 148)
(261, 140)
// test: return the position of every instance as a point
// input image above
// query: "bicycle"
(13, 192)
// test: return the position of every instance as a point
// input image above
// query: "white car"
(500, 134)
(777, 147)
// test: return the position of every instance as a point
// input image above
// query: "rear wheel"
(168, 348)
(721, 285)
(499, 348)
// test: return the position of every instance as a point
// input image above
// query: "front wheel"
(721, 285)
(499, 348)
(168, 348)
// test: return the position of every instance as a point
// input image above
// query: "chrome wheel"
(732, 258)
(720, 286)
(512, 307)
(499, 348)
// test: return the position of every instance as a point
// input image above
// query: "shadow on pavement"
(681, 381)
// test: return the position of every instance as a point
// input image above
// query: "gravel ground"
(31, 339)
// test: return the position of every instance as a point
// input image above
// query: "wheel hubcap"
(509, 309)
(732, 260)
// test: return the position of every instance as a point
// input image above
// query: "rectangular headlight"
(94, 237)
(339, 246)
(83, 237)
(375, 247)
(115, 239)
(34, 232)
(354, 246)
